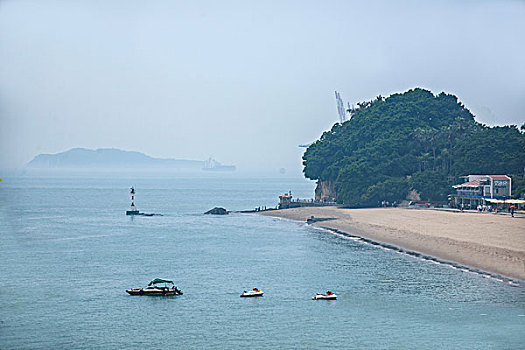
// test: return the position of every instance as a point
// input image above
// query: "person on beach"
(512, 210)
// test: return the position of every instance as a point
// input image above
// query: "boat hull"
(221, 168)
(324, 297)
(251, 294)
(141, 291)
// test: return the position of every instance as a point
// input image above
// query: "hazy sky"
(243, 81)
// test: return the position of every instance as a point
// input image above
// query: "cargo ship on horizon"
(213, 165)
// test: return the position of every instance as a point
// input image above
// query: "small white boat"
(255, 292)
(326, 296)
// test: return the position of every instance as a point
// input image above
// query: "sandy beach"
(493, 243)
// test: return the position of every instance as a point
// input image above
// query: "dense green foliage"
(413, 140)
(518, 186)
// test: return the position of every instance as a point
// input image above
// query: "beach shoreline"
(482, 242)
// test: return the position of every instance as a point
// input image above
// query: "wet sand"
(492, 243)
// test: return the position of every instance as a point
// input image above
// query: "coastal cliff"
(325, 191)
(413, 141)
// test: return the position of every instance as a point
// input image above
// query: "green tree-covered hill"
(409, 141)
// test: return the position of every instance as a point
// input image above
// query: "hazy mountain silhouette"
(108, 158)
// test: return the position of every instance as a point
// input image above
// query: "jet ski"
(255, 292)
(326, 296)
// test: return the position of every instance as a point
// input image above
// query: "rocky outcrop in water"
(217, 211)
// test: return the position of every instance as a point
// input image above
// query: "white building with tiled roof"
(479, 189)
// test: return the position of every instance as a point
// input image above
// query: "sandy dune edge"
(488, 242)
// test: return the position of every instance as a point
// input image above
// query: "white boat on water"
(326, 296)
(156, 287)
(255, 292)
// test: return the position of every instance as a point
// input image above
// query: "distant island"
(108, 158)
(412, 142)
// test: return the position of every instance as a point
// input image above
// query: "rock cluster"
(217, 211)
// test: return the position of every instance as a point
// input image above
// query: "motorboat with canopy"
(158, 286)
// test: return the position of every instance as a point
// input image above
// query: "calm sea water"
(68, 253)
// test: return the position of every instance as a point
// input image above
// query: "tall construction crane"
(341, 111)
(340, 108)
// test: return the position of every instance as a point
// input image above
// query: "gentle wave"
(419, 256)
